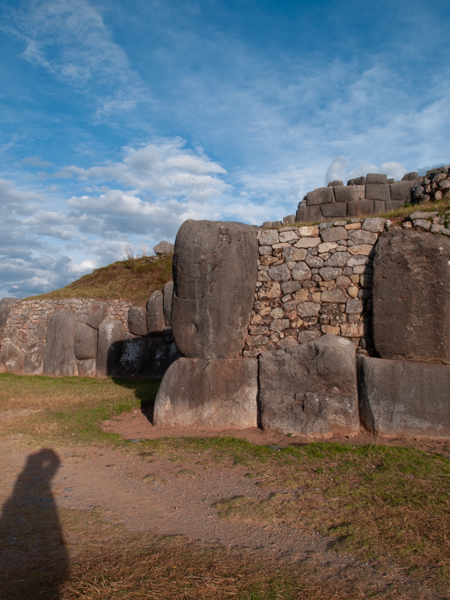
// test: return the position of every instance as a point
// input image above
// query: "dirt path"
(165, 498)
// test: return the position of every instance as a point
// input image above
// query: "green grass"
(131, 280)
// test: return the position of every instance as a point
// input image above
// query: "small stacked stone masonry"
(88, 338)
(320, 294)
(371, 194)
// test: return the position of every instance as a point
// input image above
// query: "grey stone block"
(168, 294)
(87, 368)
(85, 342)
(155, 313)
(401, 191)
(334, 234)
(215, 273)
(217, 394)
(163, 248)
(359, 207)
(337, 209)
(357, 181)
(310, 389)
(379, 206)
(411, 176)
(343, 194)
(308, 214)
(96, 315)
(404, 398)
(411, 296)
(335, 183)
(289, 220)
(34, 358)
(12, 359)
(59, 355)
(320, 196)
(375, 178)
(393, 205)
(110, 340)
(137, 320)
(378, 192)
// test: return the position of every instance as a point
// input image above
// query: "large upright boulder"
(59, 355)
(411, 297)
(110, 339)
(311, 388)
(168, 295)
(85, 342)
(217, 394)
(96, 315)
(155, 313)
(34, 357)
(215, 273)
(137, 320)
(404, 398)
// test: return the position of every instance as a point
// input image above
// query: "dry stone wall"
(317, 280)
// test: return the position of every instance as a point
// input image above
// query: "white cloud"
(165, 168)
(34, 161)
(69, 39)
(337, 170)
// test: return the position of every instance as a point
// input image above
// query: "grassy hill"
(131, 280)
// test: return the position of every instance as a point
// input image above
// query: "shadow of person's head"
(33, 555)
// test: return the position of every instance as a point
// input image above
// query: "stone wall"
(88, 338)
(372, 194)
(317, 280)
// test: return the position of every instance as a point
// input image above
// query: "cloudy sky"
(121, 119)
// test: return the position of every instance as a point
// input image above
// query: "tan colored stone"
(277, 313)
(309, 242)
(310, 231)
(352, 329)
(315, 297)
(354, 278)
(301, 296)
(352, 291)
(364, 249)
(326, 247)
(273, 291)
(257, 319)
(350, 226)
(281, 245)
(297, 323)
(265, 311)
(330, 330)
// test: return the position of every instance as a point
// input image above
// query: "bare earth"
(165, 498)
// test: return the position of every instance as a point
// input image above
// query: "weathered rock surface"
(215, 272)
(137, 320)
(311, 388)
(34, 358)
(96, 315)
(404, 397)
(12, 359)
(168, 293)
(110, 339)
(411, 297)
(85, 342)
(163, 248)
(218, 394)
(87, 368)
(59, 355)
(146, 357)
(5, 307)
(155, 313)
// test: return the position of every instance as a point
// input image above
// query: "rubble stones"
(310, 389)
(217, 394)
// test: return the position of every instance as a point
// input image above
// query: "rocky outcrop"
(404, 398)
(215, 272)
(310, 389)
(218, 394)
(411, 297)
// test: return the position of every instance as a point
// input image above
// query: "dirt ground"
(164, 498)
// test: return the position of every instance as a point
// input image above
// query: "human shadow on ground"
(145, 390)
(33, 557)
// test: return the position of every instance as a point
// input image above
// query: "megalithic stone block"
(110, 339)
(310, 389)
(12, 358)
(215, 273)
(168, 295)
(155, 313)
(217, 394)
(411, 297)
(59, 356)
(404, 398)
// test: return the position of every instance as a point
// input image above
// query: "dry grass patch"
(131, 280)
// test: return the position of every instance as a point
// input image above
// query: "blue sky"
(119, 120)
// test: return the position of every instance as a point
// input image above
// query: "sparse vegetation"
(130, 280)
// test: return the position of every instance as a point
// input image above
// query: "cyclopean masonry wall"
(89, 338)
(296, 368)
